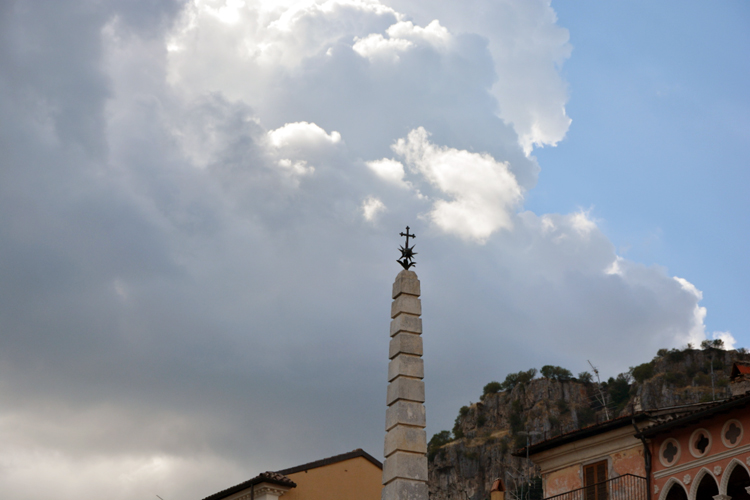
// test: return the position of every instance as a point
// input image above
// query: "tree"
(556, 373)
(491, 388)
(642, 372)
(436, 442)
(619, 390)
(513, 379)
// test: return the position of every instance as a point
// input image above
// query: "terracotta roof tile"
(264, 477)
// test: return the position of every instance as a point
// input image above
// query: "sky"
(200, 207)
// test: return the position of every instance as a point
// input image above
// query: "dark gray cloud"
(190, 291)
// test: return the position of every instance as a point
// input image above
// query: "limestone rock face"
(487, 432)
(405, 470)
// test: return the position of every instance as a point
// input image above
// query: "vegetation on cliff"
(531, 405)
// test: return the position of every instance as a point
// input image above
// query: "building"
(351, 476)
(692, 452)
(704, 454)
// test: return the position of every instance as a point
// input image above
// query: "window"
(700, 443)
(731, 434)
(594, 477)
(669, 452)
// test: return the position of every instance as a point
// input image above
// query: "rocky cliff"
(464, 462)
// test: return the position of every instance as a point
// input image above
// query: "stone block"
(405, 343)
(405, 413)
(405, 465)
(405, 489)
(406, 323)
(405, 438)
(408, 304)
(406, 365)
(404, 388)
(406, 282)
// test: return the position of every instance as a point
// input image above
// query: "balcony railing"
(625, 487)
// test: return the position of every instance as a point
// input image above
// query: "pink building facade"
(703, 455)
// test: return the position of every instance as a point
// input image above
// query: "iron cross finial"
(407, 252)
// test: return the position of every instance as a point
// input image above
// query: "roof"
(265, 477)
(653, 417)
(569, 437)
(359, 452)
(739, 368)
(498, 485)
(702, 413)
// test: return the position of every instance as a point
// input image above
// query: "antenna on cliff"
(601, 398)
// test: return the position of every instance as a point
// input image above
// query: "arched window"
(676, 492)
(707, 488)
(738, 481)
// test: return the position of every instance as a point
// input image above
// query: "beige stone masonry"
(404, 438)
(405, 445)
(406, 365)
(406, 466)
(406, 304)
(405, 343)
(405, 413)
(406, 323)
(406, 282)
(405, 489)
(410, 389)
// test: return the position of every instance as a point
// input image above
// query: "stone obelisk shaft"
(405, 468)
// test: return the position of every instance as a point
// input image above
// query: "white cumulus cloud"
(389, 170)
(302, 134)
(371, 207)
(482, 191)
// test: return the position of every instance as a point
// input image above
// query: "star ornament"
(407, 256)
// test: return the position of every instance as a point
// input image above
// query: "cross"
(407, 236)
(407, 252)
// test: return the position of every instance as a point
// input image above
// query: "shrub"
(519, 442)
(722, 382)
(491, 388)
(586, 416)
(504, 445)
(585, 377)
(514, 379)
(481, 420)
(562, 406)
(702, 379)
(675, 378)
(662, 352)
(619, 390)
(675, 355)
(556, 373)
(516, 420)
(458, 432)
(712, 344)
(436, 442)
(642, 372)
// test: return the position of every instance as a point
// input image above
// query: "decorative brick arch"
(672, 481)
(697, 481)
(728, 472)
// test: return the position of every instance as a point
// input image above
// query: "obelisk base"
(405, 489)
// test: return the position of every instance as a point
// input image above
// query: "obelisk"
(405, 467)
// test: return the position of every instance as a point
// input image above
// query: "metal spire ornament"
(407, 252)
